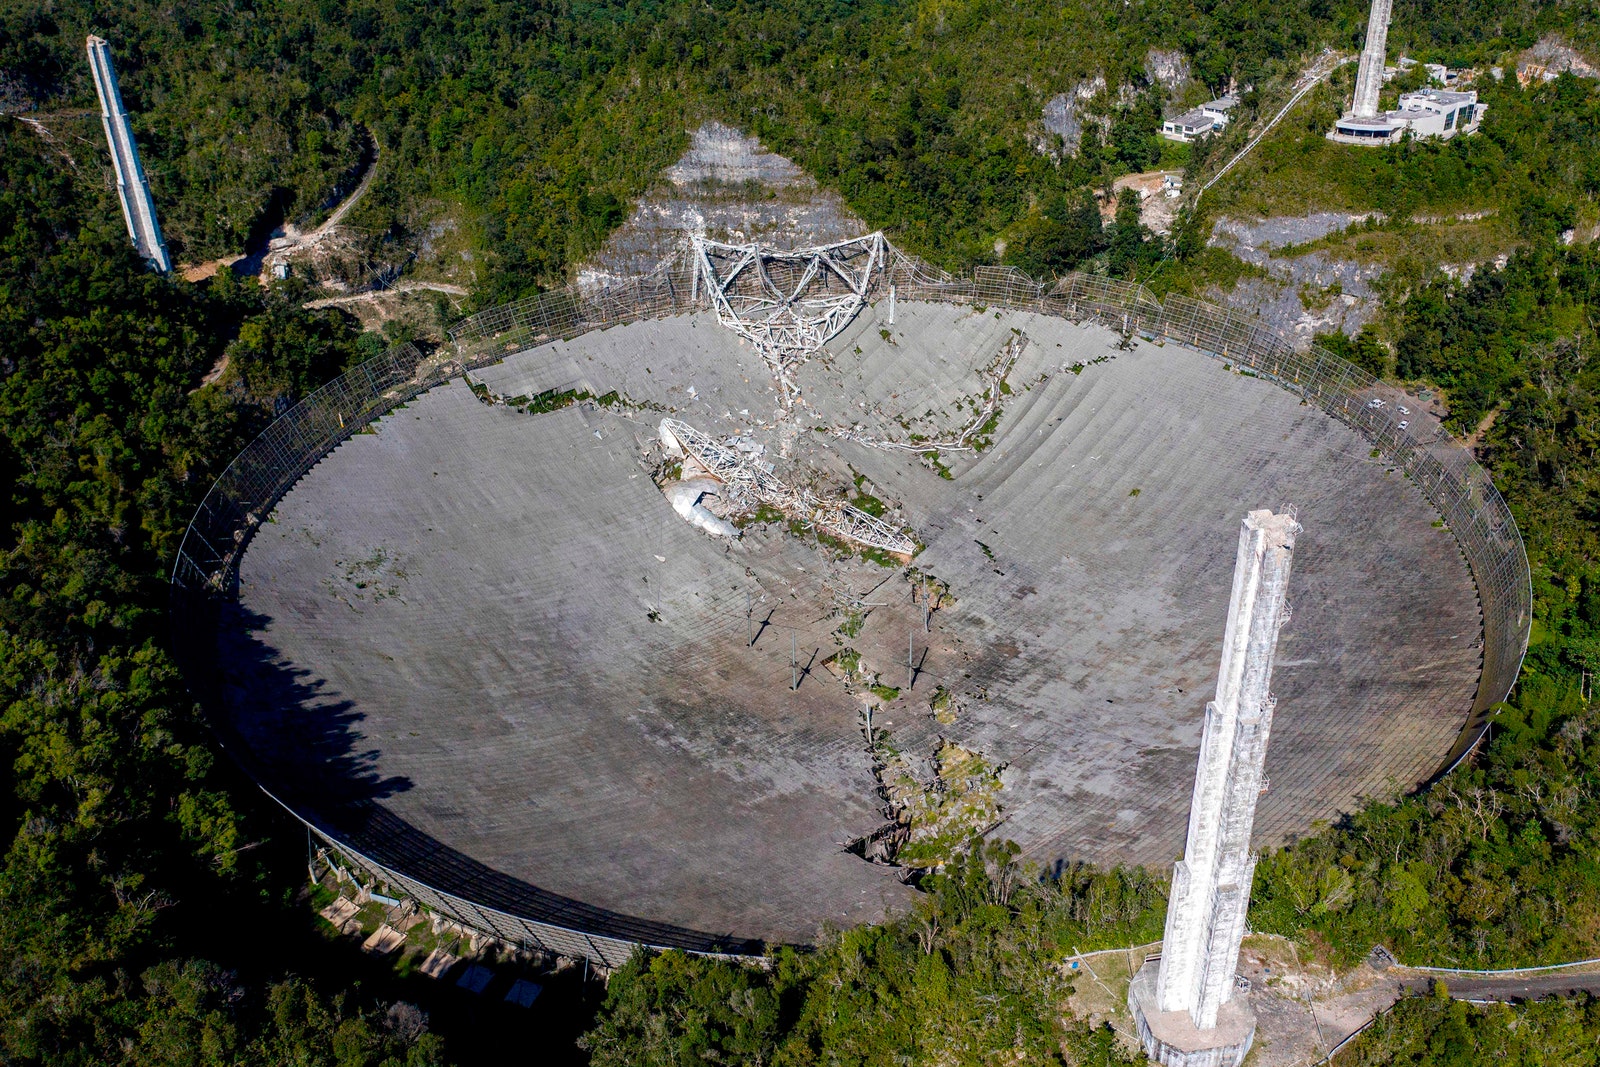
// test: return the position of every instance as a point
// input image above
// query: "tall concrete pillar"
(1369, 77)
(133, 188)
(1183, 1006)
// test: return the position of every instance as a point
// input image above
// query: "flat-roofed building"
(1218, 109)
(1438, 113)
(1199, 122)
(1426, 113)
(1190, 126)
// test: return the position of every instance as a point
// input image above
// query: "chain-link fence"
(563, 314)
(404, 864)
(205, 571)
(248, 490)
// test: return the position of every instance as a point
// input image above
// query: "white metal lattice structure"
(750, 480)
(788, 304)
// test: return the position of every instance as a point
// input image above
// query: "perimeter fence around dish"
(205, 570)
(507, 928)
(604, 948)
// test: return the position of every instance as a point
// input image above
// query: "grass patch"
(869, 504)
(763, 514)
(846, 663)
(1209, 268)
(880, 558)
(1399, 243)
(554, 400)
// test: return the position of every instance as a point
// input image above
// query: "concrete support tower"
(1430, 113)
(1369, 77)
(137, 207)
(1185, 1015)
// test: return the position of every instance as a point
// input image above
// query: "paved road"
(1510, 988)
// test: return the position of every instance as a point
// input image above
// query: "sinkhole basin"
(479, 642)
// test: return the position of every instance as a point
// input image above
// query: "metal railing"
(563, 314)
(499, 906)
(205, 571)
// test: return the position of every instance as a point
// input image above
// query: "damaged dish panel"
(752, 480)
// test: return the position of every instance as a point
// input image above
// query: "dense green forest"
(1438, 1032)
(147, 898)
(127, 851)
(536, 124)
(974, 972)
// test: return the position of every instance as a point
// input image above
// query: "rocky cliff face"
(1306, 294)
(1065, 115)
(727, 187)
(1168, 68)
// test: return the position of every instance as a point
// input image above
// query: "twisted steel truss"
(788, 304)
(752, 480)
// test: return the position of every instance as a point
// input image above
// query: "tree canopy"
(130, 843)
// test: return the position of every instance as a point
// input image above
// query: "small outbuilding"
(1202, 121)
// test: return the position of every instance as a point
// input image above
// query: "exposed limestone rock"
(729, 188)
(1168, 68)
(1065, 115)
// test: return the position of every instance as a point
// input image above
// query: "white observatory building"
(1437, 113)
